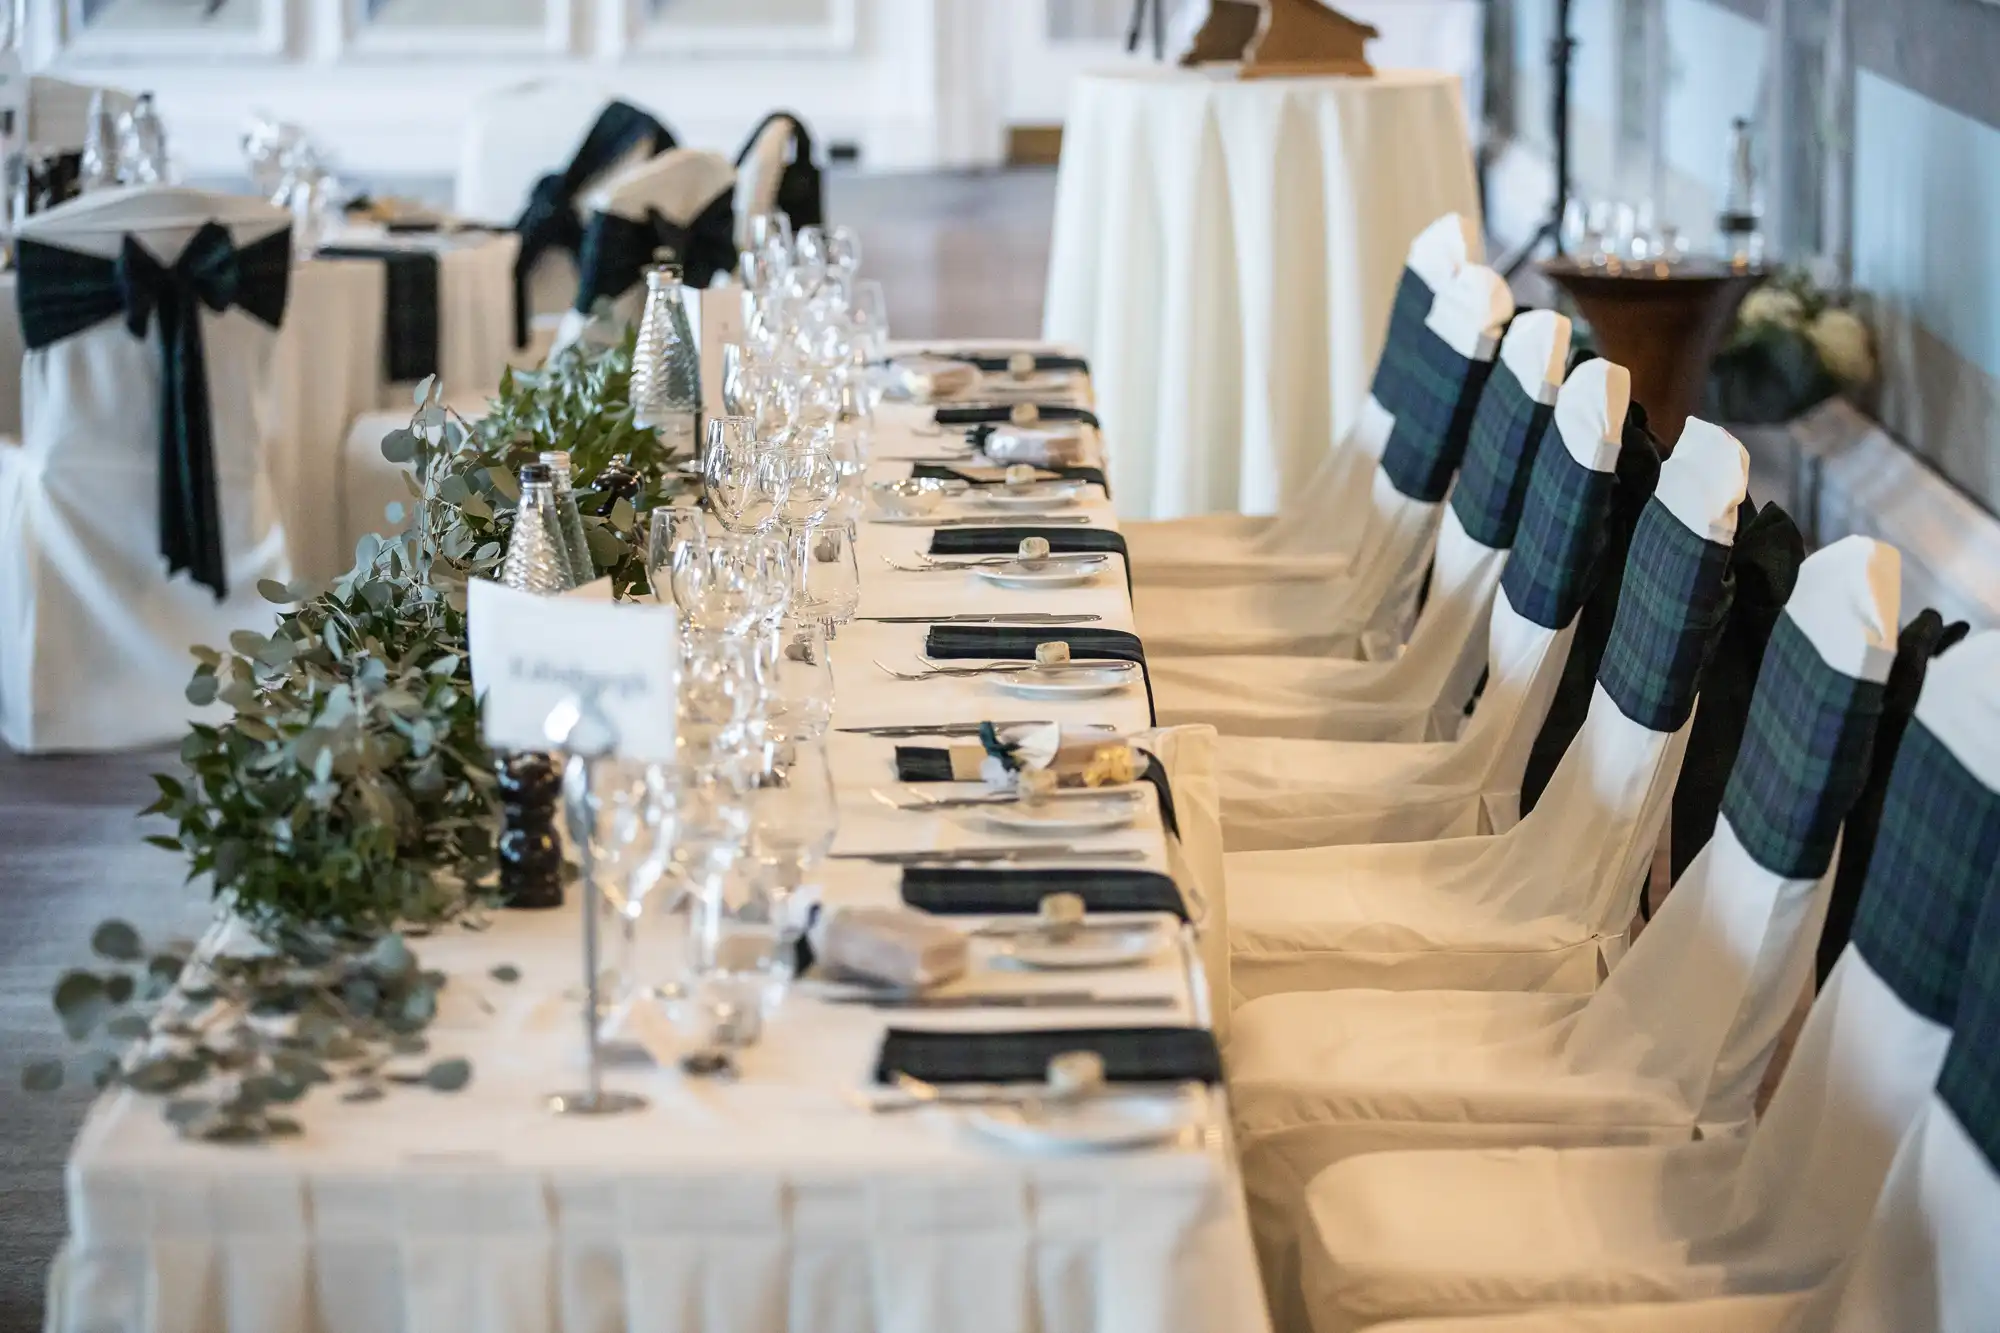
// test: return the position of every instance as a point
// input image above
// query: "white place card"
(717, 319)
(530, 653)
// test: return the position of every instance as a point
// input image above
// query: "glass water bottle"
(666, 368)
(1741, 222)
(536, 560)
(581, 567)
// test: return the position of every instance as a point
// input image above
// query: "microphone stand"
(1562, 51)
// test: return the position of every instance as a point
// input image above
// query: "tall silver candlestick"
(579, 726)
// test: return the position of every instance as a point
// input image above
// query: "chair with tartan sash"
(136, 514)
(1315, 532)
(1544, 905)
(1290, 792)
(775, 173)
(1425, 1234)
(1421, 693)
(1362, 609)
(1680, 1033)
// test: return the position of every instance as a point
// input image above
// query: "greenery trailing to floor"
(349, 796)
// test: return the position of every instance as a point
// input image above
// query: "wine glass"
(833, 588)
(843, 250)
(671, 533)
(868, 312)
(631, 828)
(794, 818)
(798, 682)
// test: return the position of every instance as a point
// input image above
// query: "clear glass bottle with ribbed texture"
(582, 569)
(99, 166)
(536, 560)
(666, 367)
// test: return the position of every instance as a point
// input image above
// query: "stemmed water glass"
(631, 818)
(794, 818)
(868, 314)
(843, 251)
(797, 675)
(833, 586)
(745, 476)
(673, 535)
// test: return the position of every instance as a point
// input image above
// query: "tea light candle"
(1053, 653)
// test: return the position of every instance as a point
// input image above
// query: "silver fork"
(1001, 668)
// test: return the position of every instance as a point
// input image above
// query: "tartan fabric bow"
(62, 292)
(616, 249)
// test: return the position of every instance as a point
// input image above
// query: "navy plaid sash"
(971, 891)
(1970, 1081)
(1675, 599)
(1507, 431)
(1012, 643)
(801, 197)
(1433, 393)
(62, 292)
(549, 221)
(616, 249)
(1558, 539)
(1803, 759)
(1407, 313)
(1935, 862)
(1131, 1055)
(410, 317)
(1005, 541)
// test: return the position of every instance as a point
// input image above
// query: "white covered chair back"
(94, 631)
(1188, 756)
(682, 200)
(516, 134)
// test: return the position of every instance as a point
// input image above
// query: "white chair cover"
(94, 636)
(678, 184)
(1291, 792)
(1538, 907)
(1463, 1232)
(1421, 693)
(1313, 535)
(1364, 609)
(1680, 1033)
(513, 135)
(1195, 854)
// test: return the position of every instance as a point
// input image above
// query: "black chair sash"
(410, 310)
(62, 292)
(801, 196)
(549, 222)
(616, 249)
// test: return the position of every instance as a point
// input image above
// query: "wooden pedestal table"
(1662, 322)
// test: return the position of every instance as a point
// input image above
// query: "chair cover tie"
(62, 292)
(549, 220)
(616, 249)
(801, 197)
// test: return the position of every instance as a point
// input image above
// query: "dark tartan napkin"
(1002, 413)
(410, 316)
(929, 763)
(978, 891)
(944, 472)
(1017, 643)
(1131, 1055)
(1006, 541)
(991, 361)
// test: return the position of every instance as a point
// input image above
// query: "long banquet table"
(771, 1203)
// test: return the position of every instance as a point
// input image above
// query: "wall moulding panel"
(388, 86)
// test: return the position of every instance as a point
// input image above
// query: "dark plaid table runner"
(1131, 1055)
(978, 891)
(410, 315)
(1018, 643)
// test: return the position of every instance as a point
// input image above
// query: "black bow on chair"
(62, 292)
(616, 249)
(801, 197)
(549, 221)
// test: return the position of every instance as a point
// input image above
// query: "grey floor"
(958, 255)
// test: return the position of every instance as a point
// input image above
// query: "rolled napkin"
(1006, 541)
(1017, 643)
(977, 891)
(975, 475)
(961, 763)
(997, 413)
(410, 317)
(890, 945)
(925, 378)
(1130, 1055)
(1043, 446)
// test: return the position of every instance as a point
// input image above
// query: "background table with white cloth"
(330, 365)
(771, 1202)
(1225, 252)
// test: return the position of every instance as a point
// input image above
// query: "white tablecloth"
(328, 367)
(769, 1204)
(1225, 251)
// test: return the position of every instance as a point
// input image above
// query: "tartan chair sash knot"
(1508, 427)
(616, 249)
(1937, 856)
(61, 292)
(1676, 599)
(1805, 755)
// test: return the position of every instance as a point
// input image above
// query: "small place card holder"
(716, 316)
(598, 679)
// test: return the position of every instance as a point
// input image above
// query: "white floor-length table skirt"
(1225, 252)
(766, 1204)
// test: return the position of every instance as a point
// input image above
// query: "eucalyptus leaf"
(118, 941)
(505, 973)
(399, 445)
(448, 1075)
(81, 1002)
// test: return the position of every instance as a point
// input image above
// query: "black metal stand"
(1562, 52)
(1137, 26)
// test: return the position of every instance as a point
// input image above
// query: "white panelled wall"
(913, 84)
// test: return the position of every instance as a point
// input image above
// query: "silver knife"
(994, 618)
(1026, 852)
(1081, 999)
(990, 521)
(962, 728)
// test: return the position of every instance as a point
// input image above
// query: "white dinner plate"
(1034, 495)
(1079, 680)
(1065, 814)
(1097, 946)
(1068, 571)
(1108, 1122)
